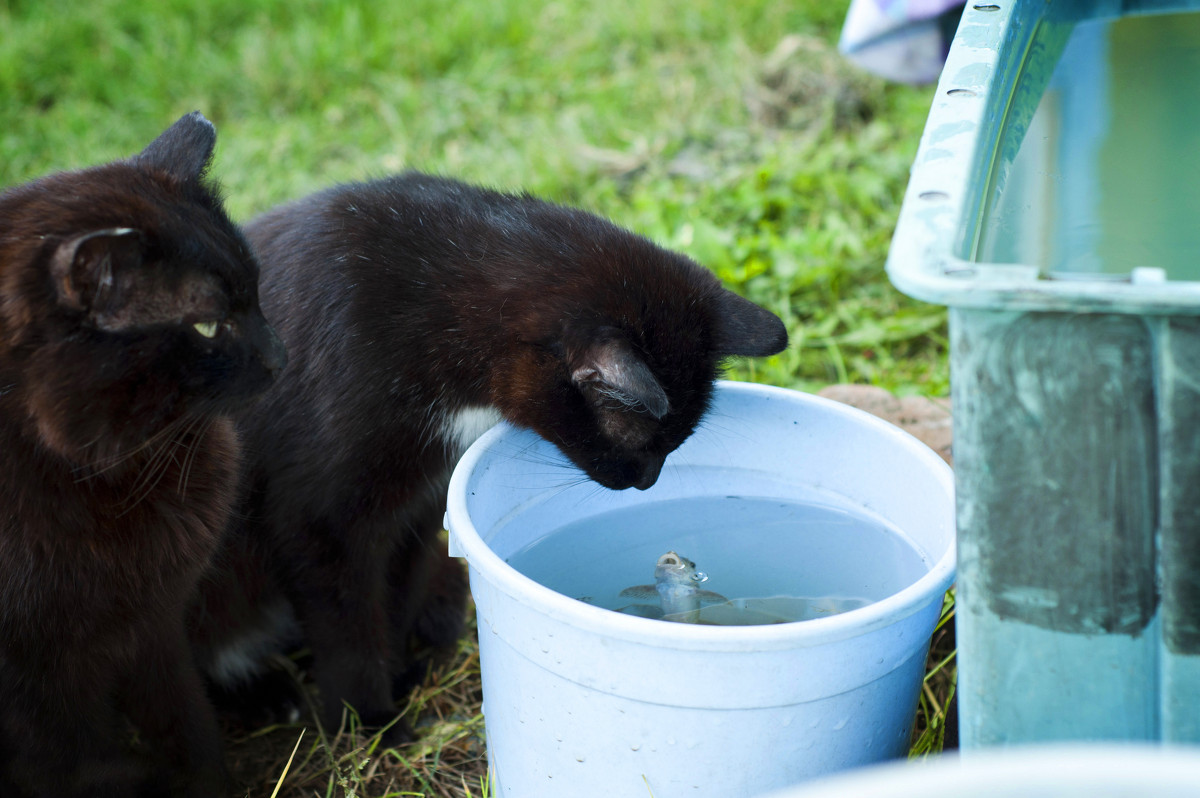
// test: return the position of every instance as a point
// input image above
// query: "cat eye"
(206, 328)
(209, 329)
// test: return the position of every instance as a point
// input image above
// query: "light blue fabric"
(902, 40)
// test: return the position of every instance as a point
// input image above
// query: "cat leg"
(340, 603)
(428, 596)
(267, 697)
(165, 699)
(444, 611)
(64, 741)
(238, 624)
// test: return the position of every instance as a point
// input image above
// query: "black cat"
(129, 329)
(417, 311)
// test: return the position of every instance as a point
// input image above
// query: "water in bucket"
(765, 560)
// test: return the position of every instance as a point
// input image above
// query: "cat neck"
(101, 455)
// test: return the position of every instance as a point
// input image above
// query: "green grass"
(663, 115)
(695, 122)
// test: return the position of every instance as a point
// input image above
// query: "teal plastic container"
(1052, 206)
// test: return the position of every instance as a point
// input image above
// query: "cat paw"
(271, 698)
(412, 676)
(397, 734)
(392, 728)
(209, 785)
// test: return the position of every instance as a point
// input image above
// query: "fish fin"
(708, 595)
(642, 611)
(691, 616)
(641, 592)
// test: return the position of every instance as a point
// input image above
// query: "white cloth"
(902, 40)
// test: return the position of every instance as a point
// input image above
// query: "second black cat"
(130, 332)
(418, 311)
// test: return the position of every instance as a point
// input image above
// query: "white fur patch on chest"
(461, 427)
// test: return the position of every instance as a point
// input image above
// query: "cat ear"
(85, 268)
(611, 370)
(183, 150)
(743, 328)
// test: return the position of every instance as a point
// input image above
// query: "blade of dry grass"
(283, 775)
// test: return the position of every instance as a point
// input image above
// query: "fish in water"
(676, 588)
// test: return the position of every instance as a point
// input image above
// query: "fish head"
(673, 569)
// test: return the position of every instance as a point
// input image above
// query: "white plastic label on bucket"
(583, 701)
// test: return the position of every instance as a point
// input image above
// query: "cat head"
(128, 299)
(637, 337)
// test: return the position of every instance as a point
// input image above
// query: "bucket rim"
(1049, 768)
(880, 614)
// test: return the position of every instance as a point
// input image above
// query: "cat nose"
(650, 471)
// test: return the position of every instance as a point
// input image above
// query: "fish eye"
(208, 329)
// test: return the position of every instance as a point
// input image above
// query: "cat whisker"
(712, 420)
(189, 440)
(197, 442)
(563, 487)
(529, 453)
(559, 472)
(728, 430)
(107, 464)
(548, 480)
(166, 453)
(151, 474)
(596, 490)
(552, 466)
(574, 481)
(532, 454)
(523, 452)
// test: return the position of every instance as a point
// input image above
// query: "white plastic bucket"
(1074, 770)
(582, 701)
